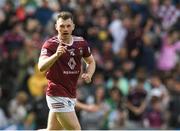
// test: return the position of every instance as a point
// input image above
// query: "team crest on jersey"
(71, 52)
(80, 51)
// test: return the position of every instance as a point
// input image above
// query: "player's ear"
(56, 26)
(73, 26)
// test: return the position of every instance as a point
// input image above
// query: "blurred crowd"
(136, 47)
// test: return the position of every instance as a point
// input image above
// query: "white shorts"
(60, 104)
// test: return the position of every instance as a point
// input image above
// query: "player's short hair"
(65, 15)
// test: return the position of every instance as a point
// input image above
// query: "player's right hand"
(60, 50)
(86, 77)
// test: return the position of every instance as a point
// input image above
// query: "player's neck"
(67, 40)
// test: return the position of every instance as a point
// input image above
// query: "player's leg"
(65, 113)
(53, 123)
(68, 120)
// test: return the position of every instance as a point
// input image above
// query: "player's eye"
(62, 26)
(68, 26)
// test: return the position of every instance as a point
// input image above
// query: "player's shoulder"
(51, 41)
(78, 38)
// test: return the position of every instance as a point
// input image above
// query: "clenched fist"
(86, 77)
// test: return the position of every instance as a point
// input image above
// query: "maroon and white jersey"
(64, 73)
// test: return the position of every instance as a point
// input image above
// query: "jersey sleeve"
(46, 50)
(86, 49)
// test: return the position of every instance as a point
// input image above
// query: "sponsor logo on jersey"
(70, 72)
(72, 63)
(71, 52)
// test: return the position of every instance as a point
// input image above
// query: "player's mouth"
(65, 33)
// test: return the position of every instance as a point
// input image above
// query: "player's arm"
(45, 62)
(91, 65)
(87, 107)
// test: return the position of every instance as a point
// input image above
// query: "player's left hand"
(92, 108)
(86, 77)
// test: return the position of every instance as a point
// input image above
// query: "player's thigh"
(53, 123)
(69, 120)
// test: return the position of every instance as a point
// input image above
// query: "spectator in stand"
(154, 118)
(154, 8)
(167, 58)
(96, 119)
(159, 89)
(168, 14)
(37, 83)
(118, 31)
(136, 105)
(17, 107)
(147, 53)
(14, 39)
(174, 107)
(43, 13)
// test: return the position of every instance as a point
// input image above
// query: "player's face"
(64, 28)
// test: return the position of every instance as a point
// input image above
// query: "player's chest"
(71, 59)
(72, 51)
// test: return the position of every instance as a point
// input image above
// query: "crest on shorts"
(69, 103)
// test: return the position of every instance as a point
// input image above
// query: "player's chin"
(65, 35)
